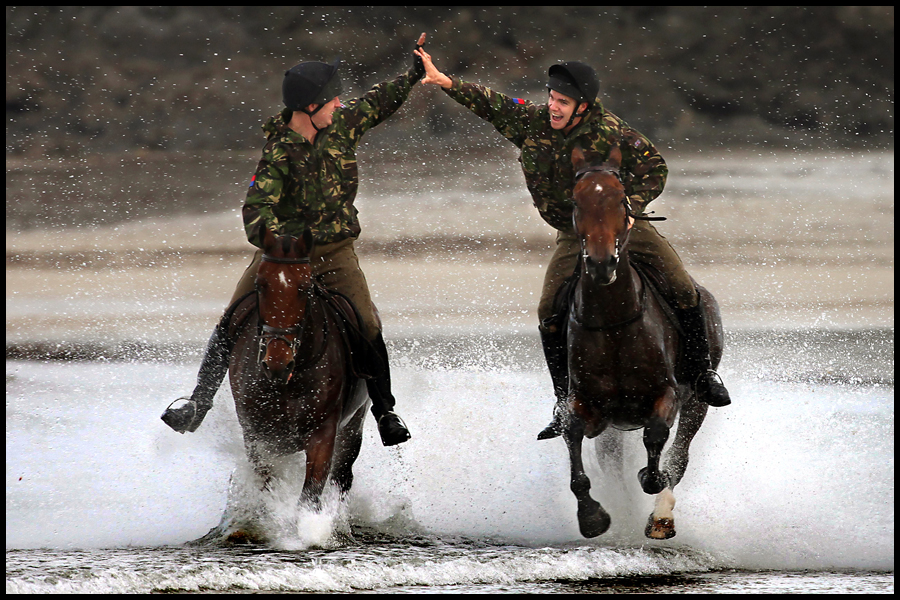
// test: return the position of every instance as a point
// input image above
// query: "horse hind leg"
(661, 524)
(653, 481)
(609, 447)
(692, 415)
(592, 519)
(347, 451)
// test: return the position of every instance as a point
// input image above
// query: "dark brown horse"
(290, 374)
(623, 352)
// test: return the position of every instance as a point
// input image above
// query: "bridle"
(619, 244)
(268, 334)
(629, 212)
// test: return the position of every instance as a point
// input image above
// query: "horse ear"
(615, 157)
(577, 157)
(268, 240)
(308, 240)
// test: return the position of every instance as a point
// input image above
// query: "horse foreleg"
(656, 432)
(592, 519)
(319, 454)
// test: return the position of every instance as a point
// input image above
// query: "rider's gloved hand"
(418, 69)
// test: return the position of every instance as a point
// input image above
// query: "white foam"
(789, 476)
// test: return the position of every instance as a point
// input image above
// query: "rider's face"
(561, 109)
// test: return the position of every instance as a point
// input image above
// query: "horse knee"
(580, 484)
(656, 433)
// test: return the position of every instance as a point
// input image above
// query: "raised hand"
(432, 75)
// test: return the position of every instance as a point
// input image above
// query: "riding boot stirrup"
(392, 429)
(708, 385)
(556, 353)
(710, 389)
(185, 418)
(212, 371)
(557, 424)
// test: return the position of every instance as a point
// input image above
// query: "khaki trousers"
(644, 242)
(337, 267)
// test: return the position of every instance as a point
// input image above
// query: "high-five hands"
(432, 75)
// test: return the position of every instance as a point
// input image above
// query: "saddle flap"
(365, 361)
(659, 287)
(237, 315)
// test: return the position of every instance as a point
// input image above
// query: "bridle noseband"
(303, 260)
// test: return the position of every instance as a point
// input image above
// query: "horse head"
(600, 215)
(284, 284)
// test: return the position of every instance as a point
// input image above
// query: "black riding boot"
(556, 352)
(212, 371)
(707, 384)
(391, 427)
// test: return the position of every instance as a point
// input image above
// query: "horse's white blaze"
(282, 279)
(665, 503)
(599, 188)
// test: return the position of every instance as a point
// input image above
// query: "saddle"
(364, 362)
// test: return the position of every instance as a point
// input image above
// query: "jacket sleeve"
(379, 103)
(510, 116)
(644, 168)
(264, 193)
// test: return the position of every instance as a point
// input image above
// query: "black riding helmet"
(310, 83)
(576, 80)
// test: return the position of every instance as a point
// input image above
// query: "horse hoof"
(653, 483)
(660, 529)
(592, 523)
(241, 537)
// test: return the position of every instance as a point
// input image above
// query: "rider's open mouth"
(556, 118)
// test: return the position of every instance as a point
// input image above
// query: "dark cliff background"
(108, 79)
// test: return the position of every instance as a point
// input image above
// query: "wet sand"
(179, 297)
(774, 249)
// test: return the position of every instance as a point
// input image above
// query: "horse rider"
(546, 135)
(308, 178)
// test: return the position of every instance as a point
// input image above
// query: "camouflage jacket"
(546, 156)
(299, 184)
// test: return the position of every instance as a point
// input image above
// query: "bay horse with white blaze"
(294, 389)
(623, 352)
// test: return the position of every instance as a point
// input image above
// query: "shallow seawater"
(790, 489)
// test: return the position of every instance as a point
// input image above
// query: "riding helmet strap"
(311, 113)
(576, 114)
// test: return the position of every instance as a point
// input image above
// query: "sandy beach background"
(784, 240)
